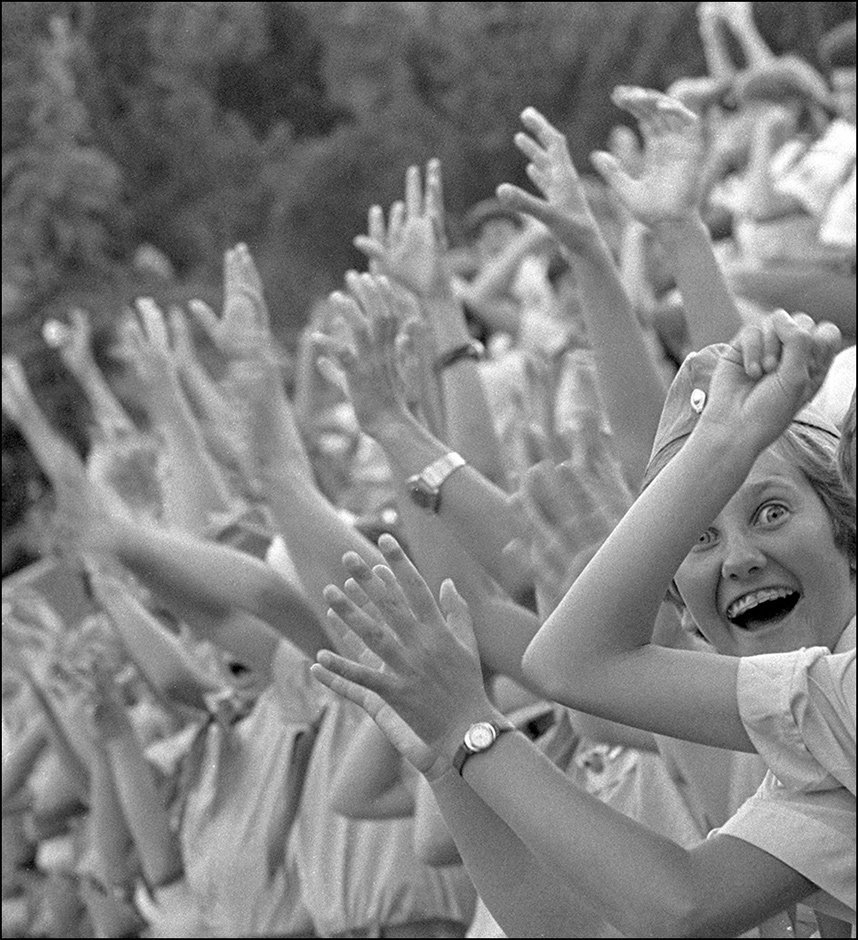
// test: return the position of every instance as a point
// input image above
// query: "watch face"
(480, 736)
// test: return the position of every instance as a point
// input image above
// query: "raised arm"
(411, 253)
(666, 198)
(53, 453)
(156, 652)
(143, 811)
(595, 651)
(442, 542)
(73, 341)
(629, 385)
(193, 487)
(211, 582)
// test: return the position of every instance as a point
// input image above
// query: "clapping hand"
(668, 186)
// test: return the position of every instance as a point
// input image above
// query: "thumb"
(456, 613)
(204, 315)
(608, 167)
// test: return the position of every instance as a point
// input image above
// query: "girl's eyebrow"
(756, 489)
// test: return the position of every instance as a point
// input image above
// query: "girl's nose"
(742, 559)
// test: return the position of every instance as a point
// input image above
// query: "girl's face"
(766, 576)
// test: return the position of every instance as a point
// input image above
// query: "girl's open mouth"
(763, 608)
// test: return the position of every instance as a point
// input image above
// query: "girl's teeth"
(737, 608)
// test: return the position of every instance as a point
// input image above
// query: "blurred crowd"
(278, 589)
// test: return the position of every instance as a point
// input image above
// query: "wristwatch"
(425, 487)
(472, 350)
(478, 738)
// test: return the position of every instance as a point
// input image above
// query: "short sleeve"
(799, 711)
(813, 833)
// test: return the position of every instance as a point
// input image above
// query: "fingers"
(545, 132)
(413, 193)
(205, 316)
(434, 199)
(347, 679)
(56, 334)
(517, 198)
(530, 148)
(751, 346)
(607, 166)
(396, 221)
(79, 321)
(414, 588)
(457, 614)
(365, 289)
(180, 331)
(375, 225)
(625, 148)
(373, 248)
(153, 322)
(361, 637)
(251, 278)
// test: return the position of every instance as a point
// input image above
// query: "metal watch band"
(472, 350)
(425, 487)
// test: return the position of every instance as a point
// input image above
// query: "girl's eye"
(707, 539)
(772, 513)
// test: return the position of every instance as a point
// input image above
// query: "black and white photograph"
(428, 460)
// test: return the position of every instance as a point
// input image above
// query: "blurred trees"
(189, 126)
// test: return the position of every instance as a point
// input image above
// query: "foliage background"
(190, 126)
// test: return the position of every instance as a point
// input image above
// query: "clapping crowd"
(523, 605)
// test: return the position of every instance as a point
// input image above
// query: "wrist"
(394, 427)
(727, 439)
(673, 231)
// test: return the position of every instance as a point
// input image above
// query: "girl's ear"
(675, 598)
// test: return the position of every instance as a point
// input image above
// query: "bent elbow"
(549, 674)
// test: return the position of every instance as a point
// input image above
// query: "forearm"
(157, 653)
(109, 414)
(627, 380)
(190, 574)
(710, 310)
(143, 810)
(276, 441)
(368, 783)
(470, 426)
(52, 451)
(76, 767)
(474, 509)
(110, 835)
(639, 881)
(193, 487)
(526, 898)
(299, 509)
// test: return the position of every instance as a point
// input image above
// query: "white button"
(698, 400)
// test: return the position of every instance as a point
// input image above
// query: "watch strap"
(464, 750)
(425, 487)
